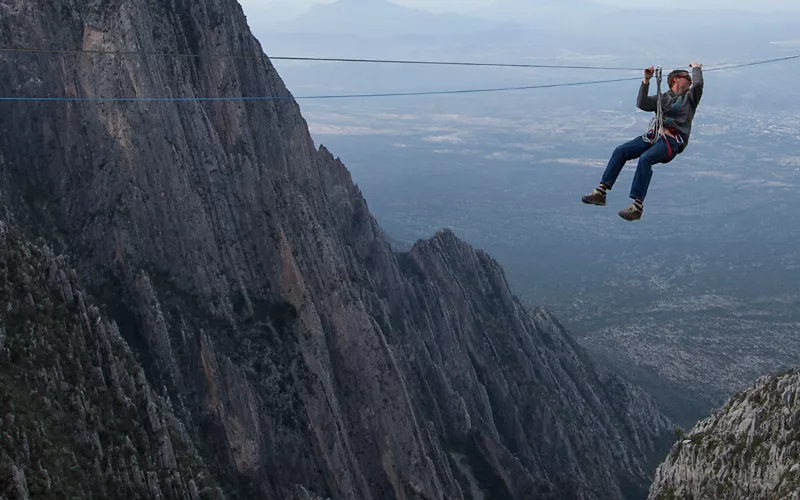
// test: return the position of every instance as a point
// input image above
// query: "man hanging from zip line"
(678, 106)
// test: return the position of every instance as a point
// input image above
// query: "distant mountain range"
(531, 10)
(384, 18)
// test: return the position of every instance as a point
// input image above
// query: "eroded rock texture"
(749, 449)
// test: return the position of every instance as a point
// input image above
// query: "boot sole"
(599, 204)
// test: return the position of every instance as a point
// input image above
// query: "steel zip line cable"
(342, 96)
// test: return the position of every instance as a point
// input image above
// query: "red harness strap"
(678, 138)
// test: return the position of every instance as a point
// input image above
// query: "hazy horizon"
(291, 8)
(472, 5)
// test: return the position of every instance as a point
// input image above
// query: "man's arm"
(643, 101)
(696, 92)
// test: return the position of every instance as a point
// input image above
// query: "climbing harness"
(656, 128)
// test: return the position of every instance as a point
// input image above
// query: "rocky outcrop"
(302, 355)
(748, 449)
(77, 415)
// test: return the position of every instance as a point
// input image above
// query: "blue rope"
(340, 96)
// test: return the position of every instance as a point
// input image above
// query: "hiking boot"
(633, 211)
(596, 197)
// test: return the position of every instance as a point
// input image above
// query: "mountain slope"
(749, 449)
(78, 413)
(256, 290)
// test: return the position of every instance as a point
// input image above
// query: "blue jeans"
(663, 151)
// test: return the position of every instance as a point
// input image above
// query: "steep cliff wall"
(749, 449)
(76, 412)
(244, 270)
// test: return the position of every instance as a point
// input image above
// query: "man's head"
(679, 81)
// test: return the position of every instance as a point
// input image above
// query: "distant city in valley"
(693, 302)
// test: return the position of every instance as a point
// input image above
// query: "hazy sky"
(467, 5)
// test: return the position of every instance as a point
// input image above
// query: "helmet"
(678, 73)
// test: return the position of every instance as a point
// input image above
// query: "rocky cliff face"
(76, 411)
(295, 353)
(749, 449)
